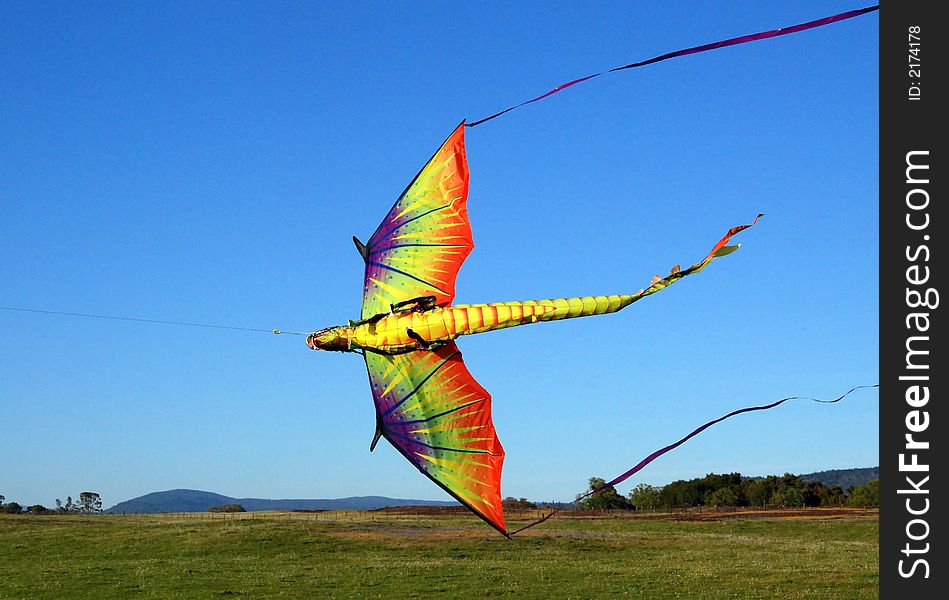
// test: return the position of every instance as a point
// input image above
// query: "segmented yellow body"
(390, 333)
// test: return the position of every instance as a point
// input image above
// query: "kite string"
(642, 464)
(742, 39)
(141, 320)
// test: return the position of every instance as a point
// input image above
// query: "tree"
(605, 498)
(39, 509)
(12, 508)
(644, 496)
(681, 494)
(89, 503)
(517, 503)
(866, 495)
(793, 497)
(723, 496)
(836, 496)
(816, 494)
(759, 491)
(226, 508)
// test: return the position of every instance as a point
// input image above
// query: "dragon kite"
(428, 406)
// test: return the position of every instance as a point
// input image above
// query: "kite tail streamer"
(743, 39)
(642, 464)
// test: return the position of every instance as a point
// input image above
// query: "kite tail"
(465, 319)
(567, 308)
(720, 249)
(648, 459)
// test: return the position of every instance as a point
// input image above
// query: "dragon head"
(330, 338)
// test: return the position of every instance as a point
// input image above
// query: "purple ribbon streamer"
(642, 464)
(753, 37)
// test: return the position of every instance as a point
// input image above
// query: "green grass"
(388, 556)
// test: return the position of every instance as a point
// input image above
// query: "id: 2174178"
(914, 72)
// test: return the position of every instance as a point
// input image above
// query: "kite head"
(330, 338)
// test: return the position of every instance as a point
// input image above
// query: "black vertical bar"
(912, 265)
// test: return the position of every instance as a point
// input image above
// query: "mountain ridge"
(187, 500)
(845, 478)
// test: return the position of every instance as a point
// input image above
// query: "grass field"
(393, 556)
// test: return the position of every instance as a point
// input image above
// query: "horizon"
(209, 164)
(336, 498)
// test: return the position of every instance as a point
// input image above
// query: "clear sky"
(209, 162)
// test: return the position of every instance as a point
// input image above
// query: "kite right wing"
(438, 417)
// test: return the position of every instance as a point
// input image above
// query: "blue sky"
(209, 164)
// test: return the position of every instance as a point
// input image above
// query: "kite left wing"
(419, 247)
(434, 412)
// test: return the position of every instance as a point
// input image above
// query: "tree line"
(735, 490)
(88, 503)
(726, 490)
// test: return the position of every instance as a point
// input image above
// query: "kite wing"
(419, 247)
(434, 412)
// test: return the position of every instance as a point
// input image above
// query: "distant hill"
(199, 501)
(845, 478)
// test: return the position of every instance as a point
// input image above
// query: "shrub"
(227, 508)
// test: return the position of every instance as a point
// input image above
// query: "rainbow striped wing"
(419, 247)
(434, 412)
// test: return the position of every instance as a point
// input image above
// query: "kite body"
(422, 326)
(428, 406)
